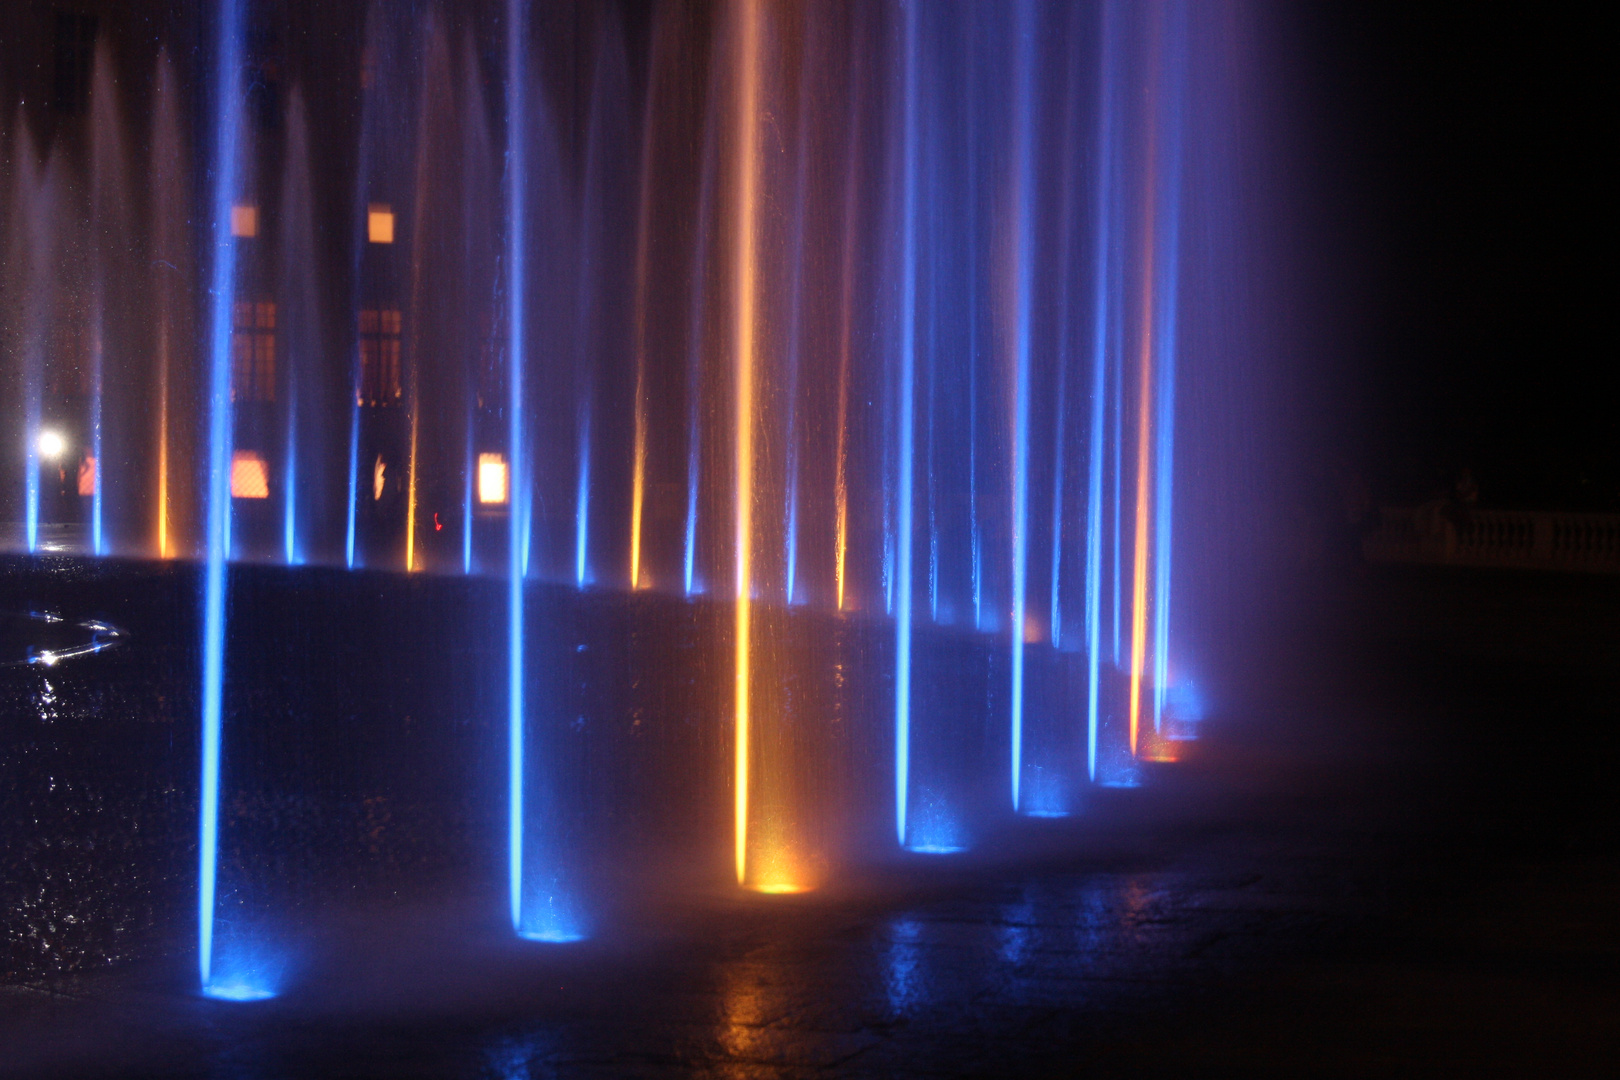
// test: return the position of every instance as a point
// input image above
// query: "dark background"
(1464, 157)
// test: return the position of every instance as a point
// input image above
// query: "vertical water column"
(31, 256)
(299, 291)
(1147, 357)
(96, 466)
(106, 179)
(1021, 270)
(237, 977)
(435, 94)
(971, 202)
(517, 479)
(846, 346)
(480, 216)
(643, 272)
(171, 264)
(1065, 279)
(540, 908)
(1172, 47)
(795, 327)
(692, 584)
(907, 419)
(1102, 268)
(745, 281)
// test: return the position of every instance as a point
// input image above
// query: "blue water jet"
(1064, 275)
(1167, 272)
(908, 332)
(582, 500)
(354, 465)
(31, 437)
(469, 467)
(517, 487)
(289, 483)
(976, 544)
(1101, 263)
(218, 494)
(794, 336)
(1116, 288)
(691, 584)
(1023, 223)
(99, 462)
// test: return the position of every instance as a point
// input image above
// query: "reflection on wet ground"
(1287, 931)
(47, 639)
(1406, 865)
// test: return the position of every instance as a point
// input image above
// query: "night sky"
(1467, 187)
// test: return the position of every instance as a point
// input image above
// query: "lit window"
(253, 351)
(491, 479)
(380, 223)
(379, 479)
(87, 476)
(379, 356)
(250, 475)
(245, 221)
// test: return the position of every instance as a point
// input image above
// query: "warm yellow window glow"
(379, 357)
(380, 223)
(379, 479)
(250, 475)
(245, 221)
(87, 476)
(253, 350)
(491, 479)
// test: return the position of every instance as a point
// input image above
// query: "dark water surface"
(1402, 859)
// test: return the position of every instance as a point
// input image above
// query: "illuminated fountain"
(846, 380)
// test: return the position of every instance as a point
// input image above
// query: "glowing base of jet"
(237, 992)
(936, 849)
(551, 937)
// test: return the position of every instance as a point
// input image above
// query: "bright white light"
(47, 658)
(51, 445)
(491, 479)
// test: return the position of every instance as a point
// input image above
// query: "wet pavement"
(1406, 864)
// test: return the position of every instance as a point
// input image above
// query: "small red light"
(438, 526)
